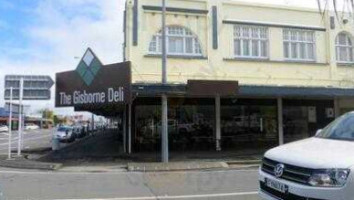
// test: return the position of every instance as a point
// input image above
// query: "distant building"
(4, 118)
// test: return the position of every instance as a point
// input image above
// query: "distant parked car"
(31, 127)
(64, 134)
(79, 131)
(4, 128)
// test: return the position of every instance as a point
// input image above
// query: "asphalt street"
(34, 139)
(230, 184)
(119, 184)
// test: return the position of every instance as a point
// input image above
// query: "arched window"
(179, 41)
(344, 48)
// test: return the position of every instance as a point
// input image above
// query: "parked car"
(31, 127)
(64, 134)
(4, 128)
(321, 167)
(85, 129)
(79, 131)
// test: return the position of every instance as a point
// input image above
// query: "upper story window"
(250, 41)
(344, 48)
(299, 44)
(179, 41)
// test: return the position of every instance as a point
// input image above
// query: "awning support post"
(280, 121)
(217, 123)
(124, 123)
(129, 128)
(164, 130)
(336, 107)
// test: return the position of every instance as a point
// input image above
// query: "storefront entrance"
(302, 118)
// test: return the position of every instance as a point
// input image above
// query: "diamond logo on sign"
(88, 67)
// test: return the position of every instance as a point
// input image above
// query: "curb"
(66, 147)
(177, 166)
(27, 164)
(244, 162)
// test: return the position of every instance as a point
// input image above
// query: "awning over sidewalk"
(142, 89)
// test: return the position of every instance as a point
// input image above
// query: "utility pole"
(164, 108)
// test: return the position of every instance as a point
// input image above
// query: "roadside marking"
(26, 139)
(59, 172)
(198, 196)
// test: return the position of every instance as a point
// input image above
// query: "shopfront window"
(147, 127)
(302, 118)
(296, 123)
(248, 125)
(190, 124)
(193, 127)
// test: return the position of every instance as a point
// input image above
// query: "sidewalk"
(24, 163)
(102, 153)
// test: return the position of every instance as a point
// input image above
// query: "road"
(230, 184)
(33, 139)
(119, 184)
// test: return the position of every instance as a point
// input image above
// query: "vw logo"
(279, 170)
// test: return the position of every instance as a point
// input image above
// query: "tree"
(56, 120)
(343, 6)
(47, 114)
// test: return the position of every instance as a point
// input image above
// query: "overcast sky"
(46, 36)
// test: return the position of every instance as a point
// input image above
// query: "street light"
(164, 108)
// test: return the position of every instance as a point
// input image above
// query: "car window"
(62, 129)
(342, 128)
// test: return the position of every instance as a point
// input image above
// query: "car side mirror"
(318, 132)
(67, 132)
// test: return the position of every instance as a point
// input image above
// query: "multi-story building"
(294, 66)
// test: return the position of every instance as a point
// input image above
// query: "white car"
(4, 128)
(31, 127)
(318, 168)
(64, 134)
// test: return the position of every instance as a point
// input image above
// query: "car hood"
(61, 134)
(315, 153)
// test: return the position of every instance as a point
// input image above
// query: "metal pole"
(43, 114)
(217, 122)
(20, 119)
(124, 123)
(93, 123)
(164, 108)
(10, 123)
(130, 128)
(164, 130)
(164, 52)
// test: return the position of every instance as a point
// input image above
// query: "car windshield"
(340, 129)
(63, 129)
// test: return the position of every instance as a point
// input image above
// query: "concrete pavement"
(232, 184)
(34, 139)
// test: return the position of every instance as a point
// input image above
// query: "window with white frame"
(344, 48)
(179, 41)
(250, 41)
(299, 44)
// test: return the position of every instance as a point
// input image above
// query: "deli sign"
(93, 84)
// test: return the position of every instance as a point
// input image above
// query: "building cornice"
(270, 24)
(175, 9)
